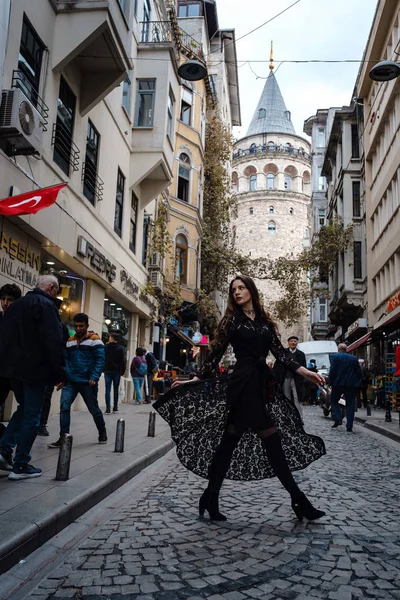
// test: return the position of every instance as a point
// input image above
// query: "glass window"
(253, 183)
(271, 228)
(119, 203)
(321, 181)
(323, 310)
(262, 113)
(270, 181)
(90, 180)
(181, 257)
(321, 217)
(357, 261)
(253, 148)
(30, 61)
(133, 225)
(127, 93)
(124, 4)
(146, 236)
(271, 210)
(170, 124)
(145, 103)
(135, 8)
(321, 137)
(251, 211)
(356, 199)
(186, 106)
(184, 177)
(287, 182)
(66, 105)
(355, 148)
(271, 146)
(189, 9)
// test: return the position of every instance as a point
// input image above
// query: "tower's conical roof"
(271, 114)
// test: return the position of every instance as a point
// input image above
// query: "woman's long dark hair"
(233, 309)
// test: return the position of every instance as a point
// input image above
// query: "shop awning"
(360, 342)
(388, 319)
(182, 336)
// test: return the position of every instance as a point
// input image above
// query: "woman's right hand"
(176, 383)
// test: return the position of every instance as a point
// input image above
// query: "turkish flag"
(31, 202)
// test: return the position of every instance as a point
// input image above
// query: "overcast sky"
(312, 29)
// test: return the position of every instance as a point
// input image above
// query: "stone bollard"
(152, 424)
(64, 457)
(388, 415)
(368, 409)
(120, 436)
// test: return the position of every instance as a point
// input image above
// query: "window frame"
(170, 115)
(133, 222)
(119, 203)
(186, 107)
(31, 83)
(356, 197)
(253, 182)
(271, 228)
(186, 5)
(323, 307)
(357, 260)
(355, 145)
(184, 166)
(64, 162)
(91, 129)
(127, 94)
(270, 177)
(287, 182)
(139, 94)
(321, 137)
(181, 276)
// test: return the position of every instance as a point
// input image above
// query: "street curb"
(36, 534)
(378, 429)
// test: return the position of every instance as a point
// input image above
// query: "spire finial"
(271, 57)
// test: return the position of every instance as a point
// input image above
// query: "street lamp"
(192, 70)
(385, 71)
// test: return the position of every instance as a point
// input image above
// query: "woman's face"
(240, 293)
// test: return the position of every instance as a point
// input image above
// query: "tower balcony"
(270, 150)
(93, 37)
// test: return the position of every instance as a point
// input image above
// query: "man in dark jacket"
(114, 369)
(292, 384)
(9, 293)
(152, 368)
(344, 378)
(84, 366)
(31, 355)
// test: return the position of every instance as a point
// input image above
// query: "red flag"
(31, 202)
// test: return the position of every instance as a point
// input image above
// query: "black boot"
(216, 475)
(300, 504)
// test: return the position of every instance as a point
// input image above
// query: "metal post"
(120, 436)
(64, 457)
(152, 424)
(368, 409)
(388, 415)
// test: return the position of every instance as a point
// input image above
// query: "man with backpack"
(138, 372)
(152, 368)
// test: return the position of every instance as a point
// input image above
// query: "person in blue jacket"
(344, 378)
(85, 360)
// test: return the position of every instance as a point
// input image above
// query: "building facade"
(85, 101)
(380, 140)
(271, 176)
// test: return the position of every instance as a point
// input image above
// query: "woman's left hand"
(314, 377)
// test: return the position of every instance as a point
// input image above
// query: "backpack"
(142, 369)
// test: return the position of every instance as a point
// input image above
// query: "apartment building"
(86, 99)
(343, 169)
(380, 139)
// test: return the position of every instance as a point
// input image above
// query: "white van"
(320, 350)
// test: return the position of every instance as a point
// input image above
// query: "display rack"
(392, 390)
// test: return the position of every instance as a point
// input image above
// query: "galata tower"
(272, 181)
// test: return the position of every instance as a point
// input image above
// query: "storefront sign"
(97, 259)
(129, 285)
(393, 302)
(144, 298)
(338, 334)
(357, 325)
(18, 261)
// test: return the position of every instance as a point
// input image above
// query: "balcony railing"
(66, 153)
(161, 32)
(272, 150)
(93, 185)
(20, 81)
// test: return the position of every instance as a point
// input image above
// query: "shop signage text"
(97, 259)
(393, 302)
(18, 251)
(130, 287)
(357, 325)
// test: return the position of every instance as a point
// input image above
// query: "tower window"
(271, 228)
(288, 182)
(262, 113)
(270, 181)
(271, 210)
(253, 183)
(251, 210)
(291, 211)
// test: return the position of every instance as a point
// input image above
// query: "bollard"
(388, 415)
(120, 436)
(64, 457)
(152, 424)
(368, 409)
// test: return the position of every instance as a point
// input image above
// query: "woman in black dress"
(242, 427)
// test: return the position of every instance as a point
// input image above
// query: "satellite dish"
(385, 71)
(192, 70)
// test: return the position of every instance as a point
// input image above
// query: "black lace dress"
(249, 399)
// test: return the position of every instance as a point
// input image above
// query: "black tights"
(273, 447)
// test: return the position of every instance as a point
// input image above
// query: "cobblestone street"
(157, 548)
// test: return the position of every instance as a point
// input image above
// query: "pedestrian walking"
(152, 367)
(114, 370)
(9, 293)
(242, 426)
(293, 384)
(312, 387)
(84, 366)
(31, 355)
(344, 378)
(138, 372)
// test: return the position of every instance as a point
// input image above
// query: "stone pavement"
(34, 510)
(376, 422)
(155, 547)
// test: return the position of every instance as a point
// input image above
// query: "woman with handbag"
(242, 426)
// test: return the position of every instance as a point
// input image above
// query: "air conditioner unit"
(155, 261)
(157, 280)
(21, 125)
